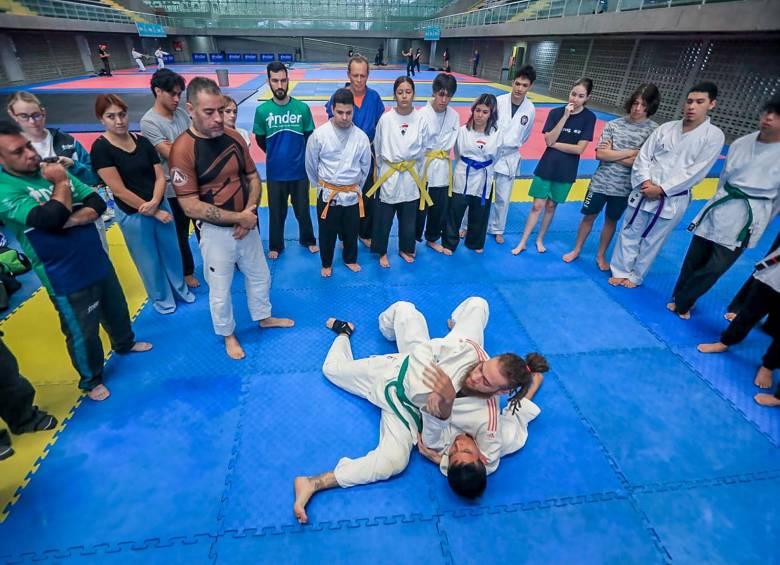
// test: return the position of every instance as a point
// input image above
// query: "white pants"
(634, 255)
(160, 63)
(500, 208)
(368, 377)
(221, 253)
(140, 64)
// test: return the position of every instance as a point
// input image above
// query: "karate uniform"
(676, 162)
(515, 131)
(497, 433)
(377, 379)
(398, 139)
(475, 154)
(159, 54)
(734, 219)
(437, 170)
(332, 161)
(139, 59)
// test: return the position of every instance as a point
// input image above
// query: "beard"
(280, 93)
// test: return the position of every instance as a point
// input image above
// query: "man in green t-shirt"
(52, 214)
(282, 127)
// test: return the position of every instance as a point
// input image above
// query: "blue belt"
(657, 213)
(477, 166)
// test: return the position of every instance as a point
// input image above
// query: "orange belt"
(336, 189)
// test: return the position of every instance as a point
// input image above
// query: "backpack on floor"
(13, 262)
(8, 285)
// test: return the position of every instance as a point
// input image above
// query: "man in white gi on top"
(338, 161)
(735, 218)
(675, 157)
(159, 54)
(404, 383)
(138, 57)
(516, 114)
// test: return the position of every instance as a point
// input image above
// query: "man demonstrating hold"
(217, 183)
(401, 385)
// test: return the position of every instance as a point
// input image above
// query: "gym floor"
(645, 451)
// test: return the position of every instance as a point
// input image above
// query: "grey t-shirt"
(157, 128)
(613, 178)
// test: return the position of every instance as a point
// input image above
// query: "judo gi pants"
(407, 225)
(278, 193)
(221, 254)
(369, 206)
(343, 223)
(140, 63)
(431, 221)
(705, 262)
(500, 209)
(739, 299)
(476, 225)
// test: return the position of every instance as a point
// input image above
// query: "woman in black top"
(129, 164)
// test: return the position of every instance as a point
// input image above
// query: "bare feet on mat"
(763, 378)
(671, 306)
(518, 250)
(435, 245)
(627, 283)
(141, 347)
(602, 263)
(384, 262)
(571, 256)
(765, 399)
(314, 249)
(271, 322)
(462, 234)
(354, 267)
(447, 252)
(406, 257)
(499, 238)
(479, 250)
(304, 489)
(326, 271)
(273, 255)
(191, 281)
(540, 247)
(365, 241)
(685, 316)
(730, 316)
(717, 347)
(450, 323)
(616, 281)
(99, 393)
(233, 348)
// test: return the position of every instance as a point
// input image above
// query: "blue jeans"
(154, 248)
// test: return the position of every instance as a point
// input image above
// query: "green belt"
(732, 193)
(398, 385)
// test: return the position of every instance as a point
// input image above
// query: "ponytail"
(520, 373)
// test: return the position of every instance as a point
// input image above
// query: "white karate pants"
(140, 64)
(160, 63)
(500, 208)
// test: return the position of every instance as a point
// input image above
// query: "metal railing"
(525, 10)
(91, 12)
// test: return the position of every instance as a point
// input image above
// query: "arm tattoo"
(213, 215)
(324, 481)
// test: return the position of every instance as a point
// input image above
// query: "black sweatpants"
(369, 206)
(761, 300)
(107, 67)
(81, 315)
(738, 300)
(342, 223)
(432, 220)
(278, 193)
(407, 224)
(182, 222)
(16, 397)
(477, 221)
(705, 262)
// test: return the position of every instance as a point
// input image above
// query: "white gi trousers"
(221, 253)
(368, 377)
(634, 255)
(160, 63)
(500, 209)
(140, 64)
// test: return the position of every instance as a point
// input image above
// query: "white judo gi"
(159, 54)
(515, 131)
(139, 59)
(477, 147)
(753, 168)
(443, 130)
(676, 162)
(377, 380)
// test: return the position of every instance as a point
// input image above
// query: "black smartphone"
(50, 160)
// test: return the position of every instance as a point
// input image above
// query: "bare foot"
(406, 257)
(627, 283)
(273, 254)
(616, 281)
(304, 489)
(712, 347)
(685, 316)
(447, 252)
(99, 393)
(330, 321)
(518, 250)
(384, 262)
(314, 249)
(366, 242)
(435, 245)
(479, 250)
(765, 399)
(326, 271)
(763, 378)
(540, 247)
(233, 348)
(571, 256)
(354, 267)
(671, 306)
(141, 347)
(602, 263)
(462, 234)
(499, 238)
(450, 323)
(191, 281)
(730, 316)
(271, 322)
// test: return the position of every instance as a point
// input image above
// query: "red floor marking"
(296, 74)
(141, 80)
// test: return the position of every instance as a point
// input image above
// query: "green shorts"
(555, 191)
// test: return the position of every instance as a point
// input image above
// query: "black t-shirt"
(103, 54)
(514, 108)
(136, 168)
(558, 166)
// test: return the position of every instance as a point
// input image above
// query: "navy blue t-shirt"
(556, 165)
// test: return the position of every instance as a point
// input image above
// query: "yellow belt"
(338, 189)
(430, 157)
(402, 167)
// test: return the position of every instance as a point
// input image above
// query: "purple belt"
(657, 213)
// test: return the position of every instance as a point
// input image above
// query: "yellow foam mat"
(32, 333)
(702, 191)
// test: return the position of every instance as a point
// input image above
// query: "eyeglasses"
(36, 117)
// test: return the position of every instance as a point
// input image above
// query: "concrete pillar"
(9, 60)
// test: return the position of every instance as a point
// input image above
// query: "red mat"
(141, 80)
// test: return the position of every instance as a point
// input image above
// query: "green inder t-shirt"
(66, 260)
(284, 128)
